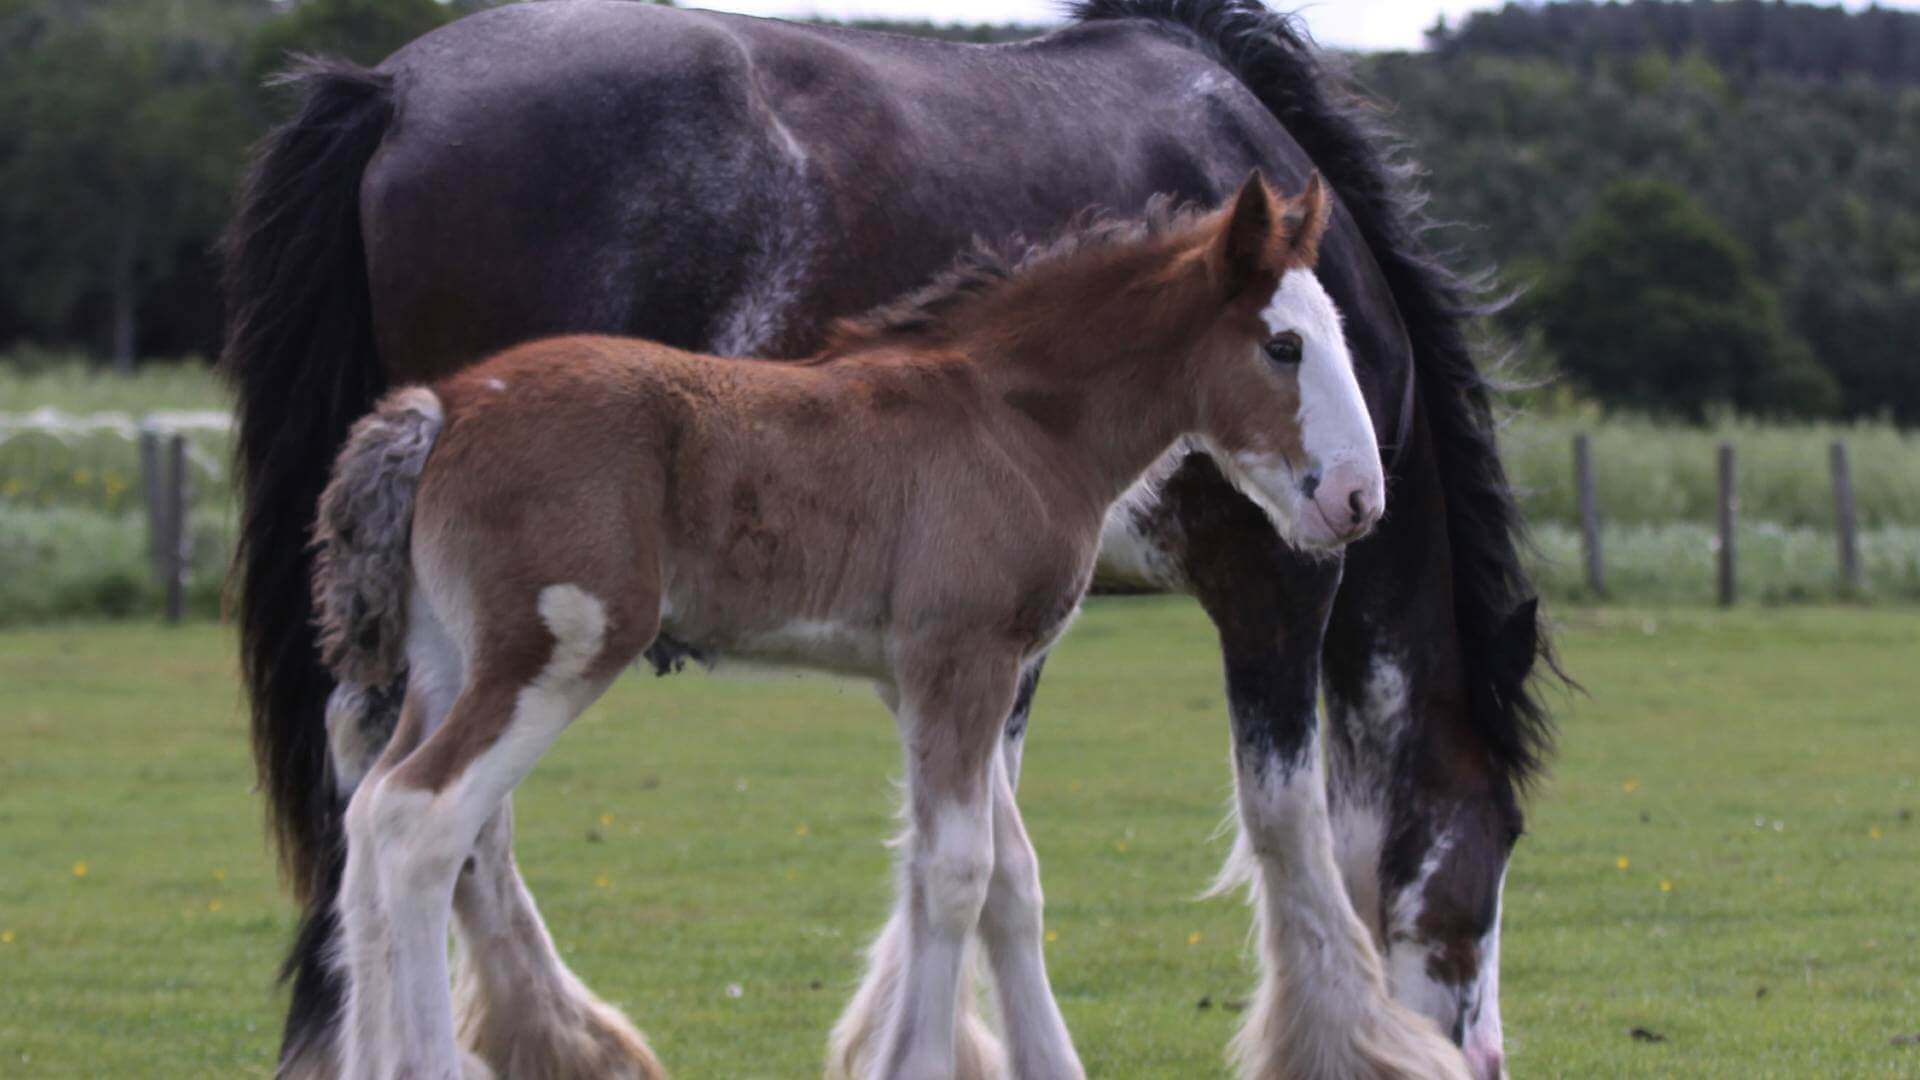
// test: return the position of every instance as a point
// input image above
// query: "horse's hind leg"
(517, 1005)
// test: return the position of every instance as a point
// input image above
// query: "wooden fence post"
(152, 485)
(177, 543)
(1589, 514)
(1846, 523)
(1729, 516)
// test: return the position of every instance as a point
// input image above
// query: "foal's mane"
(985, 267)
(1339, 128)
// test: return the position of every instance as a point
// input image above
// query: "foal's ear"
(1304, 222)
(1249, 242)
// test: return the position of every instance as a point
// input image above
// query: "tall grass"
(73, 385)
(73, 541)
(68, 562)
(1652, 473)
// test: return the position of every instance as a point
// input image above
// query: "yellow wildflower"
(80, 868)
(1621, 862)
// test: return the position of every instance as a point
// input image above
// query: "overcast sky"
(1347, 24)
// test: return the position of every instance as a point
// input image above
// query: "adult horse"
(730, 185)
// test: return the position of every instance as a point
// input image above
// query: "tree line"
(1703, 205)
(1687, 233)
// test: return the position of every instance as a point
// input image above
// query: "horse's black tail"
(300, 354)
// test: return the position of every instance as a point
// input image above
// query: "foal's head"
(1279, 408)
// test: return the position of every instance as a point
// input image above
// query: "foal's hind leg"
(517, 1005)
(411, 827)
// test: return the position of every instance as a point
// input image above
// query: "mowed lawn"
(1727, 856)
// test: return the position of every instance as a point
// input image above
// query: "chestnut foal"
(920, 504)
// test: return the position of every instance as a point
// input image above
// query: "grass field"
(1725, 855)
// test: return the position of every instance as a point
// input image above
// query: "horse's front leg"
(1322, 1008)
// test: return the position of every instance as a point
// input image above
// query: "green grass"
(694, 833)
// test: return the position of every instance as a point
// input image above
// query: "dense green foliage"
(1794, 133)
(694, 834)
(1656, 302)
(123, 130)
(1526, 118)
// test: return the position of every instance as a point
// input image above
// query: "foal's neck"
(1108, 392)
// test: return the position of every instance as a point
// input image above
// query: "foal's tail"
(362, 571)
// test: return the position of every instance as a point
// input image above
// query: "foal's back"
(756, 507)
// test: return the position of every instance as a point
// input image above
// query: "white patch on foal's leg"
(948, 867)
(406, 846)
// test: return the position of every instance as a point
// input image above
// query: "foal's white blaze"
(1348, 486)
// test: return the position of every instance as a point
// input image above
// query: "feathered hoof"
(598, 1043)
(1391, 1043)
(978, 1054)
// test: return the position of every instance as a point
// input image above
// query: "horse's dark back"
(731, 184)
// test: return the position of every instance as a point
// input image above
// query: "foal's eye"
(1284, 348)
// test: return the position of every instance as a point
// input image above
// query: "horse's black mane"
(987, 264)
(1340, 130)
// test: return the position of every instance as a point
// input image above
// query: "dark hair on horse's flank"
(1341, 132)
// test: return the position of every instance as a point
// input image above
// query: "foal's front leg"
(952, 712)
(978, 1054)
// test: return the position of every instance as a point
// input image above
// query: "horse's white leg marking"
(1322, 1009)
(406, 846)
(517, 1005)
(1011, 927)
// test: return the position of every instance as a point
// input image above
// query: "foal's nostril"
(1356, 504)
(1310, 484)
